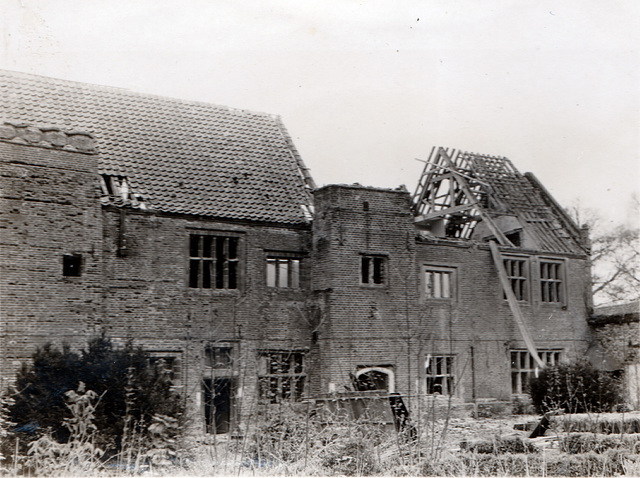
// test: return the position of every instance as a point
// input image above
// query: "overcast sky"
(365, 87)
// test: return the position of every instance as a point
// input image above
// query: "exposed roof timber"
(465, 189)
(462, 196)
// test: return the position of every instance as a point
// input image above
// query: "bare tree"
(615, 256)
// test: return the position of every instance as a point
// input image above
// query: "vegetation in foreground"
(285, 438)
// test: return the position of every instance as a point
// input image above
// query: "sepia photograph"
(322, 238)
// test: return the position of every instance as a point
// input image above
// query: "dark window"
(283, 272)
(218, 357)
(517, 275)
(71, 265)
(524, 367)
(440, 374)
(550, 281)
(438, 282)
(213, 262)
(282, 376)
(372, 269)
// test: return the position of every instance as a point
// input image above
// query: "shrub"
(130, 392)
(575, 388)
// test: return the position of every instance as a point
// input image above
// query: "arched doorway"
(375, 378)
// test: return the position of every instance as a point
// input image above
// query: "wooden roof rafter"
(449, 189)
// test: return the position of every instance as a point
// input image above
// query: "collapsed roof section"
(479, 197)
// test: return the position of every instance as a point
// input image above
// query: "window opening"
(438, 283)
(217, 405)
(218, 357)
(372, 269)
(283, 273)
(550, 281)
(440, 374)
(213, 262)
(524, 367)
(71, 265)
(517, 275)
(167, 365)
(282, 376)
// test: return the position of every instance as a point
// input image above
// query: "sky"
(366, 87)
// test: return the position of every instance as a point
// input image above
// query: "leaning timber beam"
(473, 200)
(513, 303)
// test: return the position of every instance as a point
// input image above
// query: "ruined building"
(197, 231)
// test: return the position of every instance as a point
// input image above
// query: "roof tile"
(181, 156)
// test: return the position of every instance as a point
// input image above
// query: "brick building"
(197, 231)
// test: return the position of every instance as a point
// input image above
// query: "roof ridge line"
(121, 89)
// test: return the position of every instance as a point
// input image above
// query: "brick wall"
(148, 298)
(49, 209)
(394, 325)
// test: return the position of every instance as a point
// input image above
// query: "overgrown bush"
(130, 392)
(575, 388)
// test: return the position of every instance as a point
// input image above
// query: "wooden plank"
(443, 212)
(513, 303)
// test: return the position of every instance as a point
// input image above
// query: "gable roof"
(179, 156)
(485, 197)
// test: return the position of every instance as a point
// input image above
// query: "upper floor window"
(438, 282)
(440, 374)
(551, 281)
(213, 261)
(517, 274)
(283, 272)
(372, 269)
(282, 375)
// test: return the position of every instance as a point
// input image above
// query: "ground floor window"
(282, 375)
(440, 374)
(217, 404)
(524, 367)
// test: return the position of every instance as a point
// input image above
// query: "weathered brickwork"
(394, 326)
(49, 209)
(360, 303)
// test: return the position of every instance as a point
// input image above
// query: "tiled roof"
(629, 310)
(179, 156)
(524, 196)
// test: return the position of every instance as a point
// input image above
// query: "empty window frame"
(440, 374)
(283, 272)
(218, 357)
(439, 282)
(213, 261)
(372, 269)
(282, 375)
(72, 265)
(524, 367)
(551, 278)
(517, 273)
